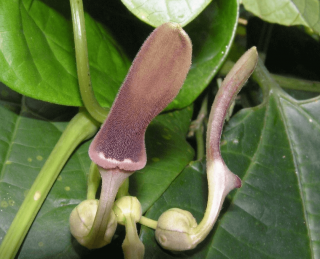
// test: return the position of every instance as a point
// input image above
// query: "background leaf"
(26, 140)
(37, 56)
(212, 34)
(38, 60)
(275, 214)
(287, 12)
(155, 12)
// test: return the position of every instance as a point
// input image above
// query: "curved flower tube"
(177, 229)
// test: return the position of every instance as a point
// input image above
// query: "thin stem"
(132, 246)
(123, 190)
(112, 179)
(200, 130)
(284, 81)
(297, 84)
(262, 76)
(197, 128)
(150, 223)
(80, 128)
(80, 40)
(94, 180)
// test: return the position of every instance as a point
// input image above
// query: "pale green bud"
(174, 230)
(81, 221)
(127, 206)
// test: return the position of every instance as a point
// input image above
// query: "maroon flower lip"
(153, 81)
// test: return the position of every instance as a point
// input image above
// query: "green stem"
(123, 190)
(80, 128)
(284, 81)
(132, 246)
(94, 180)
(266, 82)
(297, 84)
(80, 40)
(197, 128)
(150, 223)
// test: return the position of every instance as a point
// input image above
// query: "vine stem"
(200, 130)
(80, 128)
(93, 180)
(150, 223)
(80, 41)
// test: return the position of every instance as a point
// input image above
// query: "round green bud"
(126, 206)
(81, 221)
(174, 230)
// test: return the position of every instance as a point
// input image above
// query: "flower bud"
(81, 221)
(174, 230)
(128, 211)
(127, 206)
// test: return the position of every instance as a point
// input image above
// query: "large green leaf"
(212, 34)
(37, 56)
(276, 213)
(287, 12)
(26, 140)
(157, 12)
(38, 60)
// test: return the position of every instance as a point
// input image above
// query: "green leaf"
(275, 214)
(167, 153)
(157, 12)
(212, 34)
(287, 12)
(26, 141)
(38, 60)
(37, 56)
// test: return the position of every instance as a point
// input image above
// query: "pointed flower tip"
(237, 182)
(251, 59)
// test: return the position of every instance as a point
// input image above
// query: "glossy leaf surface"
(275, 214)
(38, 60)
(27, 140)
(37, 56)
(155, 12)
(212, 34)
(287, 12)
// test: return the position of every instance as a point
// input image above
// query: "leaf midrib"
(294, 156)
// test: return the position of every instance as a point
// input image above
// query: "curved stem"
(80, 128)
(80, 40)
(112, 179)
